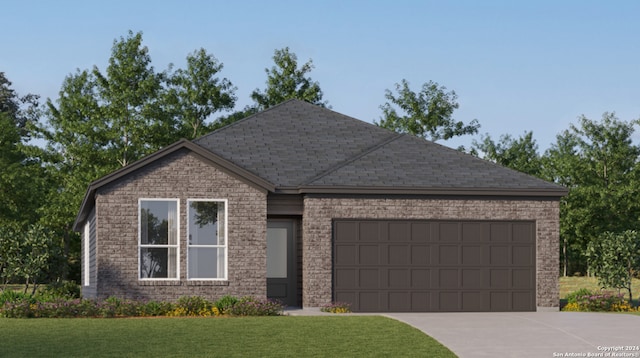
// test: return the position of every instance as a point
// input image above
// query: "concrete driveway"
(531, 334)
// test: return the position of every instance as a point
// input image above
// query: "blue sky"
(515, 65)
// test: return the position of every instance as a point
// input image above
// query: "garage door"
(434, 266)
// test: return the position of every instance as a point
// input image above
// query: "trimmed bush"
(585, 300)
(336, 307)
(251, 306)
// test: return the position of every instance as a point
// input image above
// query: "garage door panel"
(345, 231)
(499, 301)
(522, 279)
(499, 232)
(523, 233)
(472, 255)
(448, 232)
(443, 266)
(449, 301)
(420, 255)
(499, 256)
(369, 301)
(420, 301)
(499, 279)
(369, 279)
(346, 279)
(448, 255)
(399, 301)
(346, 254)
(471, 301)
(420, 279)
(472, 279)
(522, 255)
(472, 232)
(399, 278)
(399, 254)
(369, 255)
(420, 232)
(368, 231)
(522, 301)
(399, 231)
(448, 278)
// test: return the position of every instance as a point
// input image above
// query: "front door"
(281, 262)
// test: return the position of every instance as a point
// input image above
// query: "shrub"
(62, 289)
(155, 308)
(17, 305)
(225, 303)
(251, 306)
(336, 307)
(193, 306)
(585, 300)
(11, 296)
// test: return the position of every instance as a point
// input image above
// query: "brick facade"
(317, 234)
(181, 175)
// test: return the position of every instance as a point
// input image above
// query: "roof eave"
(508, 192)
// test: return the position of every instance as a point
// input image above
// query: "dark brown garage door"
(434, 266)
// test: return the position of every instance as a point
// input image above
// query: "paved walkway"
(531, 334)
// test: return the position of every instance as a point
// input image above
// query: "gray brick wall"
(182, 175)
(317, 234)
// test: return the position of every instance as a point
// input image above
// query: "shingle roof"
(303, 147)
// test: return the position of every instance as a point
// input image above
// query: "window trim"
(226, 239)
(176, 246)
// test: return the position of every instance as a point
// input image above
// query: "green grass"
(350, 336)
(570, 284)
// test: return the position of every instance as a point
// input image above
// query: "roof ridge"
(347, 161)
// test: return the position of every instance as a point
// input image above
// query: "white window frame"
(87, 253)
(226, 240)
(176, 246)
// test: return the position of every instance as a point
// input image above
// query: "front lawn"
(339, 336)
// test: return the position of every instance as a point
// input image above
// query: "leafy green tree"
(613, 259)
(285, 80)
(427, 114)
(520, 154)
(104, 120)
(196, 92)
(597, 161)
(25, 254)
(21, 174)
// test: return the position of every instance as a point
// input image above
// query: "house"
(310, 206)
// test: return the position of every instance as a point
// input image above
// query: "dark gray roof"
(300, 147)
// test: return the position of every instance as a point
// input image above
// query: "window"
(207, 244)
(158, 245)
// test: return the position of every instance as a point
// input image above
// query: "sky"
(516, 66)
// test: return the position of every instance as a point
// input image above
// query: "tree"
(427, 114)
(21, 175)
(104, 120)
(196, 93)
(598, 162)
(286, 81)
(614, 257)
(520, 154)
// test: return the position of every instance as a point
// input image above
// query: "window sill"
(160, 283)
(207, 283)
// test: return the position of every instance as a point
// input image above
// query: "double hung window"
(158, 239)
(207, 239)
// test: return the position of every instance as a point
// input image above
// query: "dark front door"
(281, 261)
